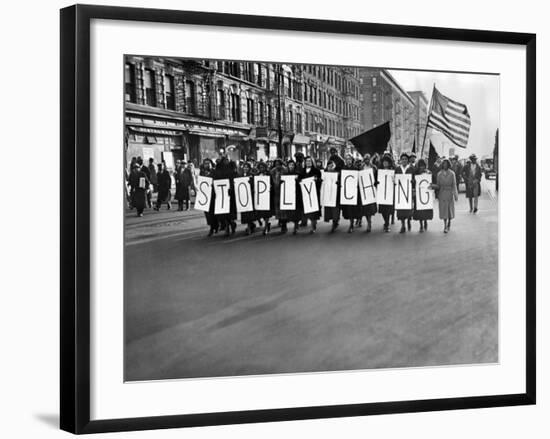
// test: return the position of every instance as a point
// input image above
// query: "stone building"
(384, 99)
(193, 109)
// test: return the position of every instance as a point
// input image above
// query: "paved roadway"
(200, 307)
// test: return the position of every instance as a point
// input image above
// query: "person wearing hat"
(472, 177)
(248, 218)
(405, 215)
(164, 184)
(423, 215)
(332, 213)
(370, 209)
(386, 210)
(139, 183)
(349, 211)
(412, 161)
(448, 194)
(457, 169)
(335, 157)
(207, 170)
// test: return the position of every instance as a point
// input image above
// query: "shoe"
(445, 230)
(475, 210)
(402, 229)
(210, 232)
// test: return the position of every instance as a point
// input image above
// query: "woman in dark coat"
(139, 184)
(404, 214)
(184, 184)
(333, 213)
(276, 173)
(164, 185)
(207, 170)
(386, 209)
(294, 216)
(351, 212)
(311, 171)
(422, 215)
(265, 215)
(472, 178)
(227, 170)
(249, 218)
(369, 210)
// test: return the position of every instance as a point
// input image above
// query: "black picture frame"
(75, 216)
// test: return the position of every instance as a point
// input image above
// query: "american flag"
(450, 118)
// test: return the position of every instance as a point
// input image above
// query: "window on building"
(261, 113)
(149, 85)
(220, 101)
(298, 123)
(305, 92)
(190, 97)
(374, 97)
(129, 83)
(290, 120)
(374, 81)
(169, 92)
(250, 111)
(269, 116)
(235, 107)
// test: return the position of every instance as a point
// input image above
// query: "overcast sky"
(480, 93)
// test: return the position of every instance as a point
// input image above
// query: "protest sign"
(204, 193)
(367, 187)
(262, 190)
(288, 192)
(403, 191)
(348, 189)
(424, 195)
(221, 200)
(329, 189)
(243, 194)
(384, 193)
(309, 195)
(142, 182)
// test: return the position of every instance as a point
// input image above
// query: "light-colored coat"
(446, 183)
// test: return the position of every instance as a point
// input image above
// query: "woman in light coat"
(448, 194)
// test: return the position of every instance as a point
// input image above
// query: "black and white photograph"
(285, 218)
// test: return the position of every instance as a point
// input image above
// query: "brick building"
(384, 99)
(193, 109)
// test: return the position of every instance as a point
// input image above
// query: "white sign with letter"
(288, 192)
(424, 195)
(221, 202)
(262, 190)
(384, 194)
(243, 194)
(348, 190)
(309, 195)
(329, 189)
(403, 191)
(204, 193)
(367, 186)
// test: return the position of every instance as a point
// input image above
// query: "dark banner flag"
(373, 141)
(432, 157)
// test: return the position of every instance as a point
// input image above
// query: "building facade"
(383, 99)
(193, 109)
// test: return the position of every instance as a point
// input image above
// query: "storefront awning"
(300, 139)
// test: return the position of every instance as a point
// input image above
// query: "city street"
(198, 306)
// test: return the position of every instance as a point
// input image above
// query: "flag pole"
(427, 121)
